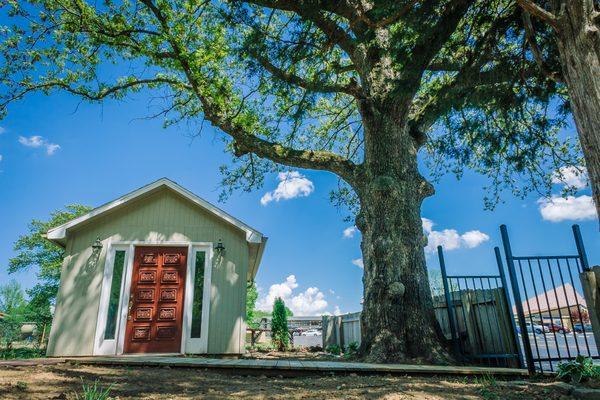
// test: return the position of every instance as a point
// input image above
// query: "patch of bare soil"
(64, 381)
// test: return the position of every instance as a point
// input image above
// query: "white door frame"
(188, 345)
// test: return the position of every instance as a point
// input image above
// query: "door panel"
(155, 314)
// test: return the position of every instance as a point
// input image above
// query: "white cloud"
(359, 263)
(474, 238)
(572, 208)
(292, 184)
(571, 176)
(310, 302)
(51, 148)
(39, 141)
(32, 141)
(450, 239)
(349, 232)
(337, 311)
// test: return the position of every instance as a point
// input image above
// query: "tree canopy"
(33, 250)
(283, 78)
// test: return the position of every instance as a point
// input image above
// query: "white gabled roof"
(254, 238)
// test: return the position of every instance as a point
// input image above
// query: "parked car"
(556, 328)
(535, 329)
(579, 328)
(312, 332)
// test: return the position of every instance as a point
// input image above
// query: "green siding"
(160, 216)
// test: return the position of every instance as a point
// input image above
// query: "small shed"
(159, 270)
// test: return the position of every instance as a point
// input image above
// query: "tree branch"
(352, 88)
(468, 84)
(431, 44)
(535, 50)
(244, 140)
(534, 9)
(93, 95)
(245, 143)
(391, 18)
(315, 15)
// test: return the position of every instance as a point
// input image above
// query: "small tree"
(12, 306)
(279, 325)
(33, 250)
(251, 296)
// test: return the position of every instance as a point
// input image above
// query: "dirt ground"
(64, 381)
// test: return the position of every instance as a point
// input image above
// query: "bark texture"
(578, 32)
(397, 298)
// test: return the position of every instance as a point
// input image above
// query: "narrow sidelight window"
(115, 289)
(198, 292)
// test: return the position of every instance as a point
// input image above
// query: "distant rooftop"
(562, 297)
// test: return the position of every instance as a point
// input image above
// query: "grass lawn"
(64, 381)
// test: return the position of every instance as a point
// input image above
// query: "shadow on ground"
(65, 380)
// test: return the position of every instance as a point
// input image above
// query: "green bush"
(279, 326)
(579, 370)
(333, 349)
(351, 350)
(22, 352)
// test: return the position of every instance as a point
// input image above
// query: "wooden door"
(155, 309)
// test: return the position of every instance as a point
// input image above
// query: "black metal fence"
(537, 322)
(481, 326)
(553, 320)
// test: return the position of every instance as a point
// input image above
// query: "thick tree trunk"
(579, 46)
(398, 321)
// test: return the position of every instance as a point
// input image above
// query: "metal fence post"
(449, 305)
(517, 298)
(580, 248)
(508, 310)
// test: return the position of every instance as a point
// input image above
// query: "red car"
(557, 328)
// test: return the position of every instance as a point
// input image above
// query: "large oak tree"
(567, 50)
(354, 87)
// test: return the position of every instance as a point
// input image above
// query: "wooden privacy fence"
(482, 326)
(341, 329)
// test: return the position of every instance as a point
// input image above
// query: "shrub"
(279, 325)
(264, 348)
(21, 352)
(352, 349)
(333, 349)
(579, 370)
(94, 392)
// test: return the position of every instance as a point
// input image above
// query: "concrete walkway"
(294, 366)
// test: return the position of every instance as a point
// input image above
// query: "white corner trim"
(252, 235)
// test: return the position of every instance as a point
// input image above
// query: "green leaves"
(13, 309)
(285, 79)
(279, 325)
(33, 250)
(251, 296)
(579, 370)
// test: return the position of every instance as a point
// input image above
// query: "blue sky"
(108, 150)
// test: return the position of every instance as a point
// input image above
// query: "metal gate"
(550, 309)
(481, 325)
